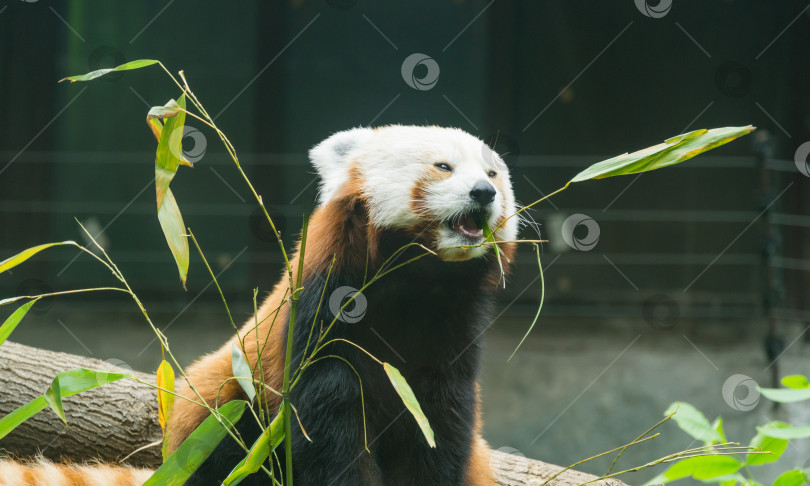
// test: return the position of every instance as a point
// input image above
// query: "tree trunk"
(111, 422)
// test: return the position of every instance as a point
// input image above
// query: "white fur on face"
(394, 160)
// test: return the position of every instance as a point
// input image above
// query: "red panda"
(380, 190)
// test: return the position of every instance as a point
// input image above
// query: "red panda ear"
(332, 159)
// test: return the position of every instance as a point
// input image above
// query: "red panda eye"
(492, 173)
(443, 166)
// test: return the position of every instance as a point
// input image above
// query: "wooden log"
(111, 422)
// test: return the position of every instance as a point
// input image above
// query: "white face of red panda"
(439, 183)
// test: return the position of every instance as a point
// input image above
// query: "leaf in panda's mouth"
(469, 225)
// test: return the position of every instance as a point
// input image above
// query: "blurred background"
(685, 284)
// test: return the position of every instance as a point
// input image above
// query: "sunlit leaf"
(694, 423)
(197, 447)
(24, 255)
(101, 72)
(171, 221)
(65, 384)
(782, 430)
(796, 381)
(411, 403)
(764, 443)
(14, 319)
(169, 149)
(259, 452)
(165, 380)
(53, 397)
(156, 127)
(241, 371)
(703, 467)
(717, 425)
(170, 109)
(673, 151)
(786, 395)
(795, 477)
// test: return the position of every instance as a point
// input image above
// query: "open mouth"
(469, 224)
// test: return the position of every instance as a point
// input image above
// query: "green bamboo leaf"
(717, 425)
(14, 319)
(694, 423)
(673, 151)
(101, 72)
(242, 373)
(782, 430)
(169, 149)
(171, 221)
(24, 255)
(763, 442)
(197, 447)
(259, 452)
(411, 403)
(170, 109)
(539, 307)
(795, 477)
(65, 384)
(786, 395)
(53, 397)
(703, 467)
(796, 381)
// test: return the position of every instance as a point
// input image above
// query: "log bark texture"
(111, 422)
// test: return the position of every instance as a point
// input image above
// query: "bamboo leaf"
(795, 477)
(242, 373)
(197, 447)
(703, 467)
(786, 395)
(694, 423)
(24, 255)
(169, 149)
(259, 452)
(65, 384)
(763, 442)
(171, 221)
(165, 380)
(101, 72)
(411, 403)
(11, 323)
(673, 151)
(156, 127)
(539, 307)
(782, 430)
(170, 109)
(796, 381)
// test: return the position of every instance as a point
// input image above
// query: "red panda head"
(439, 184)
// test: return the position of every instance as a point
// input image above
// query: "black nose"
(483, 192)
